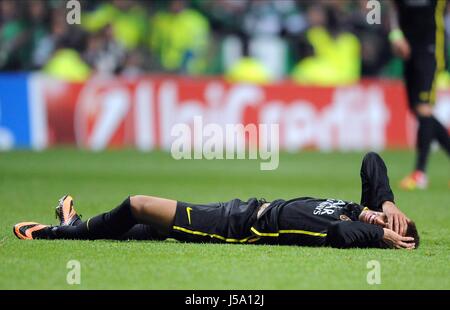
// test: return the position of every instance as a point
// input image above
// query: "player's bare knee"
(138, 204)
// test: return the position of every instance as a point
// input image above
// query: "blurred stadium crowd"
(325, 42)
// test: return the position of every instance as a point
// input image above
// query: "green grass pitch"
(31, 183)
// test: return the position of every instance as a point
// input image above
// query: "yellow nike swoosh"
(188, 210)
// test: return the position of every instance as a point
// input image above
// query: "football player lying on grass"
(375, 222)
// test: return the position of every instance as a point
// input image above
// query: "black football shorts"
(219, 222)
(420, 71)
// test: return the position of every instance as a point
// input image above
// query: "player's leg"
(419, 82)
(143, 232)
(374, 182)
(156, 212)
(420, 76)
(68, 216)
(442, 135)
(425, 135)
(429, 128)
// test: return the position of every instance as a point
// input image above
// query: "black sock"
(109, 225)
(441, 135)
(425, 136)
(70, 232)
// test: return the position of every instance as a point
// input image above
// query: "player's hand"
(401, 48)
(396, 241)
(373, 217)
(396, 219)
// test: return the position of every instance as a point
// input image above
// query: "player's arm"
(391, 217)
(377, 193)
(354, 234)
(400, 45)
(350, 234)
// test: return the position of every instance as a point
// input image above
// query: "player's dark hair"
(411, 231)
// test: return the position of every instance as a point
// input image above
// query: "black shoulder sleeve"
(353, 210)
(349, 234)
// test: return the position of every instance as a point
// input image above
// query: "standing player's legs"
(137, 217)
(375, 182)
(429, 129)
(420, 77)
